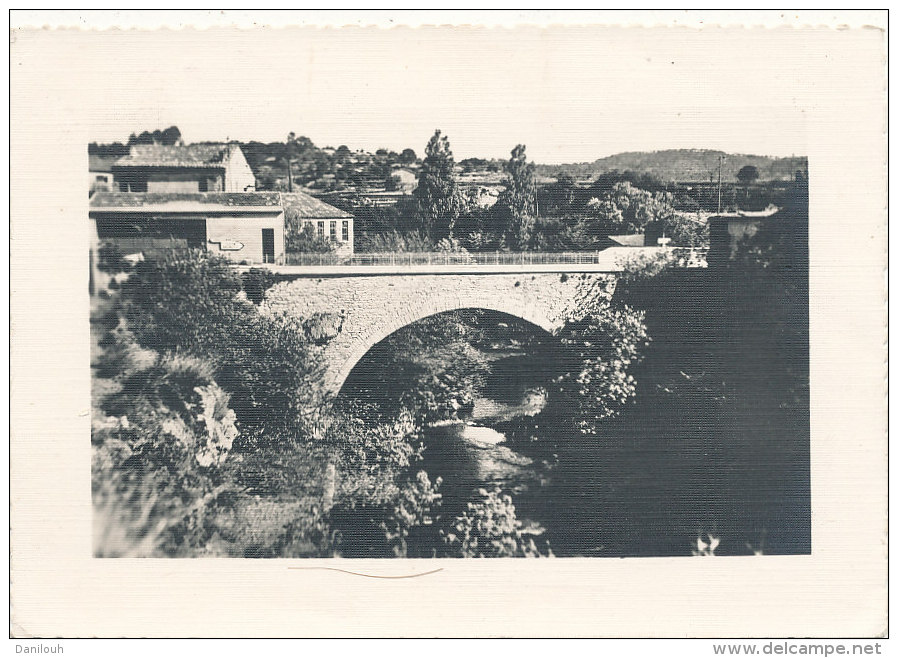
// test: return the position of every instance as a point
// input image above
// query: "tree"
(168, 137)
(295, 147)
(629, 209)
(518, 200)
(391, 183)
(437, 193)
(558, 198)
(171, 136)
(748, 174)
(407, 156)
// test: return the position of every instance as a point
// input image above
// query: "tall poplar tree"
(439, 199)
(518, 200)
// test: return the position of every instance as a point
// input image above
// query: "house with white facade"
(100, 177)
(327, 221)
(245, 227)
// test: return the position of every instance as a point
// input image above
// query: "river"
(473, 453)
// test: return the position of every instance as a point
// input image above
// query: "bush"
(190, 304)
(687, 232)
(111, 259)
(321, 328)
(255, 282)
(399, 521)
(305, 239)
(489, 528)
(597, 352)
(394, 241)
(157, 458)
(450, 245)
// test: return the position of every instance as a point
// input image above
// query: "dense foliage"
(439, 199)
(193, 304)
(517, 202)
(303, 238)
(167, 137)
(599, 350)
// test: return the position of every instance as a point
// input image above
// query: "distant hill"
(682, 165)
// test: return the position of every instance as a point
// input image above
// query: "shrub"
(450, 245)
(321, 328)
(400, 521)
(128, 518)
(190, 304)
(255, 282)
(395, 241)
(597, 352)
(111, 259)
(489, 528)
(157, 458)
(410, 529)
(304, 238)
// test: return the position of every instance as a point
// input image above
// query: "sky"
(570, 94)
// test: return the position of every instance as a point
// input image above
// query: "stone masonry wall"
(370, 308)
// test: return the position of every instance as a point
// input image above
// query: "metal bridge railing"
(682, 256)
(445, 258)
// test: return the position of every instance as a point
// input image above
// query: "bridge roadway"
(350, 307)
(611, 260)
(453, 268)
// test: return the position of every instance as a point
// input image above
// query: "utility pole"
(720, 160)
(288, 153)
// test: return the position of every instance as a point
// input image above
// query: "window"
(102, 179)
(345, 230)
(333, 230)
(320, 229)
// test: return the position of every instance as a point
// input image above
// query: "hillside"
(682, 165)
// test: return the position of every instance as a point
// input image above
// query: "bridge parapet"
(614, 259)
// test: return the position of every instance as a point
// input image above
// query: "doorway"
(267, 245)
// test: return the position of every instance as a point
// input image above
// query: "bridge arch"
(337, 376)
(373, 306)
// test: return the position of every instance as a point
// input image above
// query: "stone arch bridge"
(362, 307)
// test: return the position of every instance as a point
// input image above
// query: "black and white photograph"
(425, 294)
(482, 340)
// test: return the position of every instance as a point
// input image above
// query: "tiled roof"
(186, 201)
(302, 206)
(191, 155)
(296, 204)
